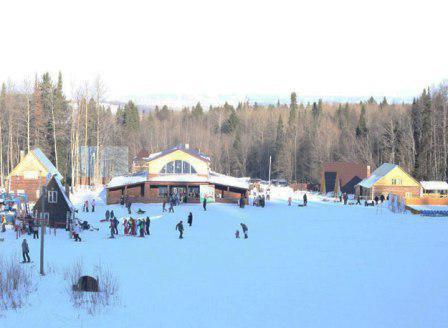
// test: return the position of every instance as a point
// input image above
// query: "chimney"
(22, 155)
(187, 146)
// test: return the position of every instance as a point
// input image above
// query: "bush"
(15, 283)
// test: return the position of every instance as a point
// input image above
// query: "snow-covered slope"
(325, 265)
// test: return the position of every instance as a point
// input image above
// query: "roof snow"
(46, 162)
(67, 200)
(226, 180)
(376, 175)
(181, 147)
(125, 180)
(434, 185)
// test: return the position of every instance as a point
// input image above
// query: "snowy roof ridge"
(181, 147)
(434, 185)
(69, 203)
(46, 162)
(376, 175)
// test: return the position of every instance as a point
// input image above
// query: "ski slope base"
(326, 265)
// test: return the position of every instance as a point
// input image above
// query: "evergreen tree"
(197, 110)
(292, 109)
(131, 117)
(361, 129)
(231, 123)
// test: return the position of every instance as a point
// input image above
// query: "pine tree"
(361, 129)
(292, 109)
(197, 110)
(231, 124)
(131, 117)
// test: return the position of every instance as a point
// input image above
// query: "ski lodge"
(32, 172)
(389, 179)
(180, 171)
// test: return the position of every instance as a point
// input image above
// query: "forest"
(298, 137)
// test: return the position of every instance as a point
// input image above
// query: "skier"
(86, 206)
(204, 204)
(244, 230)
(237, 234)
(147, 224)
(190, 219)
(25, 251)
(107, 215)
(305, 199)
(180, 228)
(93, 205)
(76, 232)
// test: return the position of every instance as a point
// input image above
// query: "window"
(396, 182)
(163, 191)
(52, 196)
(178, 167)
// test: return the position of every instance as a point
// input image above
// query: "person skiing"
(93, 205)
(107, 215)
(180, 228)
(190, 219)
(25, 252)
(244, 230)
(237, 234)
(147, 224)
(204, 204)
(305, 199)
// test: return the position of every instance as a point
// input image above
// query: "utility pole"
(43, 228)
(270, 163)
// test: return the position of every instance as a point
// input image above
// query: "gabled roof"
(46, 162)
(67, 200)
(187, 150)
(376, 175)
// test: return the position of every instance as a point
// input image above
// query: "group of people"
(259, 200)
(245, 230)
(305, 200)
(133, 227)
(85, 207)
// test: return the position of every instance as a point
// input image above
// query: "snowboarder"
(237, 234)
(107, 215)
(180, 228)
(190, 219)
(305, 199)
(244, 230)
(25, 252)
(204, 204)
(93, 205)
(147, 225)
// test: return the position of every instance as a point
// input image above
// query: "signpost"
(43, 229)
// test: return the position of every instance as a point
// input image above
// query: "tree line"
(296, 137)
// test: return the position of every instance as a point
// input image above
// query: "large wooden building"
(180, 171)
(33, 171)
(342, 177)
(389, 179)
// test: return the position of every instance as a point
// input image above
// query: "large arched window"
(177, 167)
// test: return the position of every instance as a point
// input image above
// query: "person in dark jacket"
(107, 215)
(244, 230)
(180, 228)
(382, 198)
(35, 231)
(164, 205)
(25, 252)
(147, 225)
(116, 223)
(171, 208)
(190, 219)
(376, 200)
(358, 200)
(305, 199)
(112, 214)
(204, 204)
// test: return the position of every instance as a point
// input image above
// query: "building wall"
(398, 173)
(201, 166)
(402, 191)
(31, 187)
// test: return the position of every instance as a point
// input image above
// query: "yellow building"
(389, 179)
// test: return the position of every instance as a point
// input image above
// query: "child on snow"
(237, 234)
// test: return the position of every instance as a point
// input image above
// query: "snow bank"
(84, 193)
